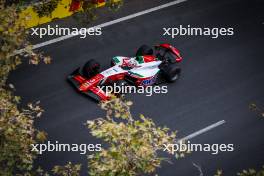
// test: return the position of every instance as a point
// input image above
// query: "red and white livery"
(148, 67)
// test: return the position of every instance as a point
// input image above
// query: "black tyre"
(91, 68)
(171, 72)
(144, 50)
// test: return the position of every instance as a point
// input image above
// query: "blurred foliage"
(13, 36)
(257, 109)
(89, 11)
(17, 131)
(45, 7)
(249, 172)
(114, 5)
(252, 172)
(219, 173)
(133, 144)
(67, 170)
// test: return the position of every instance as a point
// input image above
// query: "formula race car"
(148, 67)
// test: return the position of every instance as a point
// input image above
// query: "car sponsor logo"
(92, 80)
(149, 81)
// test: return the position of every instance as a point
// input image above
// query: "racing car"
(149, 66)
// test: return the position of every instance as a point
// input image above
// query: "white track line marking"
(106, 24)
(204, 130)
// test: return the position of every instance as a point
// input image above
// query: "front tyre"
(91, 68)
(171, 72)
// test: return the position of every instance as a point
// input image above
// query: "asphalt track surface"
(220, 78)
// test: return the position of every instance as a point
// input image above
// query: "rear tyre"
(90, 68)
(171, 72)
(144, 50)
